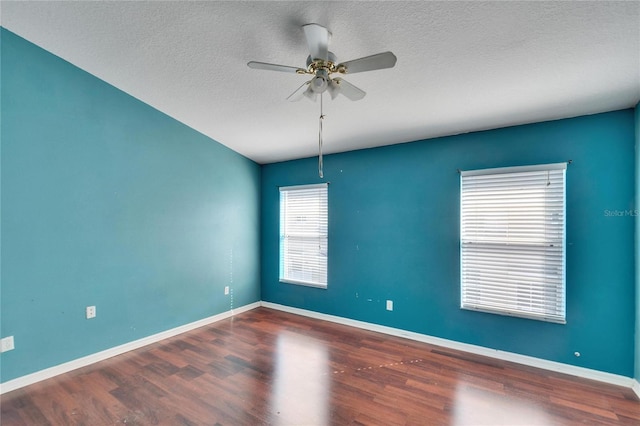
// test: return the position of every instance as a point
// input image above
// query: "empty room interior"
(312, 213)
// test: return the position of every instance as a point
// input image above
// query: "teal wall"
(394, 234)
(108, 202)
(637, 248)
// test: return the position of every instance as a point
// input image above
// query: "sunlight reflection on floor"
(474, 406)
(301, 383)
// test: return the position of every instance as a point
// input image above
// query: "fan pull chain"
(320, 165)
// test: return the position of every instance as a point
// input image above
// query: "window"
(303, 235)
(512, 241)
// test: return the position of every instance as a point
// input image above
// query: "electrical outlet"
(226, 290)
(389, 305)
(91, 312)
(7, 344)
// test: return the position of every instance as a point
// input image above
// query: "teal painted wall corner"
(637, 246)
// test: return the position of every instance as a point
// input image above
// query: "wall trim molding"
(586, 373)
(66, 367)
(636, 388)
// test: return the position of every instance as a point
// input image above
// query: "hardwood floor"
(269, 367)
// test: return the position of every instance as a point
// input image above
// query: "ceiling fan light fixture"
(320, 82)
(310, 94)
(334, 88)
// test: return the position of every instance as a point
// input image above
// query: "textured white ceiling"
(462, 66)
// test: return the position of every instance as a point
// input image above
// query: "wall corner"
(637, 245)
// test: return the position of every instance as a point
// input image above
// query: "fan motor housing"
(316, 64)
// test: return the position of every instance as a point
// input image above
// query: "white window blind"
(513, 241)
(304, 235)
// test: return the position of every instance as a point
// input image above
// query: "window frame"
(313, 263)
(483, 253)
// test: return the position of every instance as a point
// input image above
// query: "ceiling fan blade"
(318, 40)
(349, 90)
(370, 63)
(274, 67)
(299, 93)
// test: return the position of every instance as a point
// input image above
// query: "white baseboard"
(48, 373)
(586, 373)
(636, 388)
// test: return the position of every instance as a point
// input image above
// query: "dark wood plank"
(270, 367)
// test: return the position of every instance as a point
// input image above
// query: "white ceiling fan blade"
(349, 90)
(318, 40)
(299, 93)
(274, 67)
(370, 63)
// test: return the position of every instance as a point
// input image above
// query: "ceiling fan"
(322, 65)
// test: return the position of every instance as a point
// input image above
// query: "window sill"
(303, 283)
